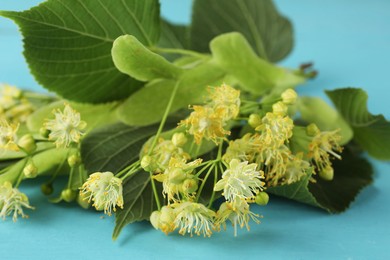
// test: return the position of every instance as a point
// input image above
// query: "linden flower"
(12, 200)
(175, 176)
(275, 129)
(227, 99)
(240, 181)
(159, 159)
(323, 144)
(105, 190)
(164, 219)
(205, 122)
(8, 135)
(237, 213)
(194, 218)
(9, 96)
(66, 128)
(241, 149)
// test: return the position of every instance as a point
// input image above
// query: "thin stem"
(131, 172)
(198, 149)
(21, 175)
(128, 168)
(157, 199)
(204, 182)
(180, 51)
(165, 116)
(215, 181)
(71, 174)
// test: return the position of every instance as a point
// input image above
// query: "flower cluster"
(8, 136)
(14, 106)
(208, 121)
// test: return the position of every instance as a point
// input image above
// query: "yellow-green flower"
(242, 149)
(66, 128)
(240, 181)
(12, 201)
(238, 213)
(193, 218)
(226, 99)
(105, 190)
(13, 106)
(206, 122)
(8, 135)
(164, 219)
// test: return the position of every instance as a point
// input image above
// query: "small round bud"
(190, 185)
(30, 171)
(289, 96)
(179, 139)
(177, 176)
(47, 188)
(279, 108)
(155, 219)
(327, 173)
(68, 195)
(82, 202)
(254, 120)
(312, 130)
(146, 163)
(262, 198)
(44, 132)
(74, 160)
(27, 143)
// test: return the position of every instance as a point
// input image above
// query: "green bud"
(289, 96)
(279, 108)
(262, 198)
(327, 173)
(27, 143)
(146, 162)
(30, 171)
(155, 219)
(74, 160)
(190, 186)
(312, 130)
(82, 202)
(254, 120)
(47, 188)
(179, 139)
(44, 132)
(177, 176)
(68, 195)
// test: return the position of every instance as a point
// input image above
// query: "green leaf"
(93, 115)
(351, 175)
(67, 44)
(269, 33)
(148, 105)
(134, 59)
(371, 132)
(112, 148)
(311, 107)
(233, 53)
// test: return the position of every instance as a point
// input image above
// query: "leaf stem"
(156, 198)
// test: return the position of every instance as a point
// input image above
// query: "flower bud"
(254, 120)
(289, 96)
(155, 219)
(190, 186)
(30, 171)
(177, 176)
(279, 108)
(312, 130)
(179, 139)
(27, 143)
(146, 162)
(47, 188)
(262, 198)
(68, 195)
(44, 132)
(327, 173)
(74, 160)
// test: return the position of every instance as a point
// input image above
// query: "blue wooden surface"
(349, 41)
